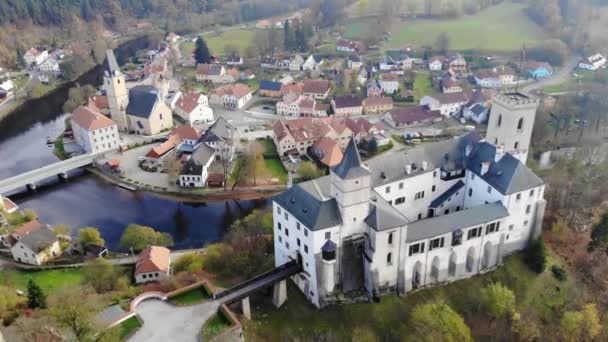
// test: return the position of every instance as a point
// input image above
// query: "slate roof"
(351, 165)
(508, 175)
(444, 224)
(39, 240)
(203, 154)
(347, 101)
(112, 63)
(310, 203)
(383, 216)
(478, 109)
(447, 194)
(142, 100)
(328, 247)
(220, 130)
(409, 115)
(270, 85)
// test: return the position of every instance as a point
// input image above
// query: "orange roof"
(27, 228)
(235, 73)
(185, 132)
(161, 149)
(188, 101)
(388, 77)
(100, 101)
(153, 259)
(332, 155)
(237, 90)
(89, 119)
(292, 88)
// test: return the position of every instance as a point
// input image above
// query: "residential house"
(247, 75)
(223, 138)
(363, 128)
(160, 151)
(10, 239)
(50, 65)
(234, 60)
(232, 75)
(194, 171)
(294, 137)
(386, 64)
(377, 104)
(457, 63)
(147, 113)
(269, 63)
(93, 131)
(313, 62)
(593, 62)
(447, 104)
(295, 64)
(153, 264)
(317, 89)
(231, 96)
(538, 69)
(487, 78)
(269, 89)
(193, 107)
(436, 63)
(411, 116)
(373, 89)
(327, 151)
(320, 109)
(100, 102)
(354, 62)
(450, 85)
(506, 75)
(37, 247)
(347, 105)
(7, 85)
(210, 73)
(389, 83)
(292, 88)
(344, 45)
(476, 112)
(399, 58)
(35, 57)
(290, 105)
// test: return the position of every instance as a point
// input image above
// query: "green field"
(49, 281)
(239, 38)
(422, 86)
(128, 327)
(504, 27)
(191, 297)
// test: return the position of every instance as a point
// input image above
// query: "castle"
(407, 219)
(139, 110)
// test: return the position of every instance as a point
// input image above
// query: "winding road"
(559, 77)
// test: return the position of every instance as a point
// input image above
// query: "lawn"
(540, 295)
(193, 296)
(241, 39)
(503, 27)
(49, 281)
(422, 86)
(276, 169)
(128, 327)
(214, 326)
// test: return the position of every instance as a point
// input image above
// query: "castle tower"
(511, 122)
(116, 89)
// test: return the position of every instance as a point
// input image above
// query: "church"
(139, 110)
(418, 217)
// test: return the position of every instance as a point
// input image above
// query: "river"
(84, 200)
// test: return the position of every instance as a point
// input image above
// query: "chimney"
(485, 166)
(408, 169)
(424, 165)
(500, 151)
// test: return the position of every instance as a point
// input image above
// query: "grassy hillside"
(239, 38)
(499, 28)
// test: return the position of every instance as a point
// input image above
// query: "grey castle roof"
(200, 157)
(142, 99)
(444, 224)
(351, 165)
(310, 203)
(383, 216)
(328, 247)
(112, 64)
(39, 239)
(220, 130)
(447, 194)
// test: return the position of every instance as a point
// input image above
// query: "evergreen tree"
(300, 38)
(536, 256)
(86, 10)
(201, 53)
(289, 37)
(35, 297)
(599, 235)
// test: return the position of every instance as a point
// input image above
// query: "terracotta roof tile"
(90, 119)
(153, 259)
(188, 101)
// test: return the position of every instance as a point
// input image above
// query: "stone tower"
(116, 89)
(511, 122)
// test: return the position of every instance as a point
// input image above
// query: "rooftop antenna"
(522, 56)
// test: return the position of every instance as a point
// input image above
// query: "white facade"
(295, 64)
(436, 65)
(389, 87)
(22, 253)
(446, 108)
(50, 65)
(200, 113)
(593, 62)
(35, 57)
(288, 108)
(488, 82)
(143, 278)
(98, 140)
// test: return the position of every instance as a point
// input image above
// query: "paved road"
(166, 322)
(559, 77)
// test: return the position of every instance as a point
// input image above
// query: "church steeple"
(351, 165)
(116, 90)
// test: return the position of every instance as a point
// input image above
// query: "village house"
(269, 89)
(269, 63)
(487, 78)
(377, 104)
(101, 103)
(354, 62)
(457, 63)
(295, 88)
(223, 138)
(593, 62)
(316, 89)
(347, 105)
(294, 137)
(234, 60)
(506, 75)
(50, 65)
(399, 58)
(410, 116)
(344, 45)
(231, 96)
(35, 57)
(447, 104)
(184, 138)
(193, 107)
(363, 128)
(295, 64)
(476, 112)
(290, 105)
(389, 83)
(436, 63)
(373, 89)
(538, 70)
(34, 243)
(153, 264)
(194, 171)
(210, 73)
(93, 131)
(450, 85)
(313, 62)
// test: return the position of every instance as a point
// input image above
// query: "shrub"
(188, 262)
(536, 256)
(498, 300)
(10, 318)
(559, 273)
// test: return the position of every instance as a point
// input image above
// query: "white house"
(389, 83)
(476, 112)
(193, 107)
(34, 56)
(487, 78)
(436, 63)
(446, 103)
(433, 214)
(289, 105)
(354, 62)
(153, 264)
(50, 65)
(312, 62)
(593, 62)
(195, 170)
(36, 247)
(231, 96)
(295, 64)
(93, 131)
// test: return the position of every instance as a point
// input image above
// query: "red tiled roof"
(90, 119)
(297, 88)
(237, 90)
(185, 132)
(378, 101)
(27, 228)
(164, 147)
(332, 155)
(408, 115)
(100, 101)
(389, 77)
(316, 86)
(153, 259)
(188, 101)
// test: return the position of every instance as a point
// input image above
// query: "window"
(390, 202)
(286, 232)
(436, 243)
(400, 200)
(473, 233)
(298, 242)
(417, 248)
(520, 124)
(472, 176)
(419, 195)
(518, 197)
(279, 210)
(400, 186)
(390, 238)
(279, 226)
(492, 227)
(433, 188)
(389, 258)
(305, 232)
(528, 208)
(420, 216)
(525, 223)
(489, 189)
(280, 238)
(457, 237)
(298, 225)
(531, 192)
(516, 145)
(286, 244)
(327, 235)
(305, 249)
(434, 174)
(511, 227)
(388, 190)
(286, 217)
(499, 120)
(470, 192)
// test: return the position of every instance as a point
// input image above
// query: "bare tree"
(173, 166)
